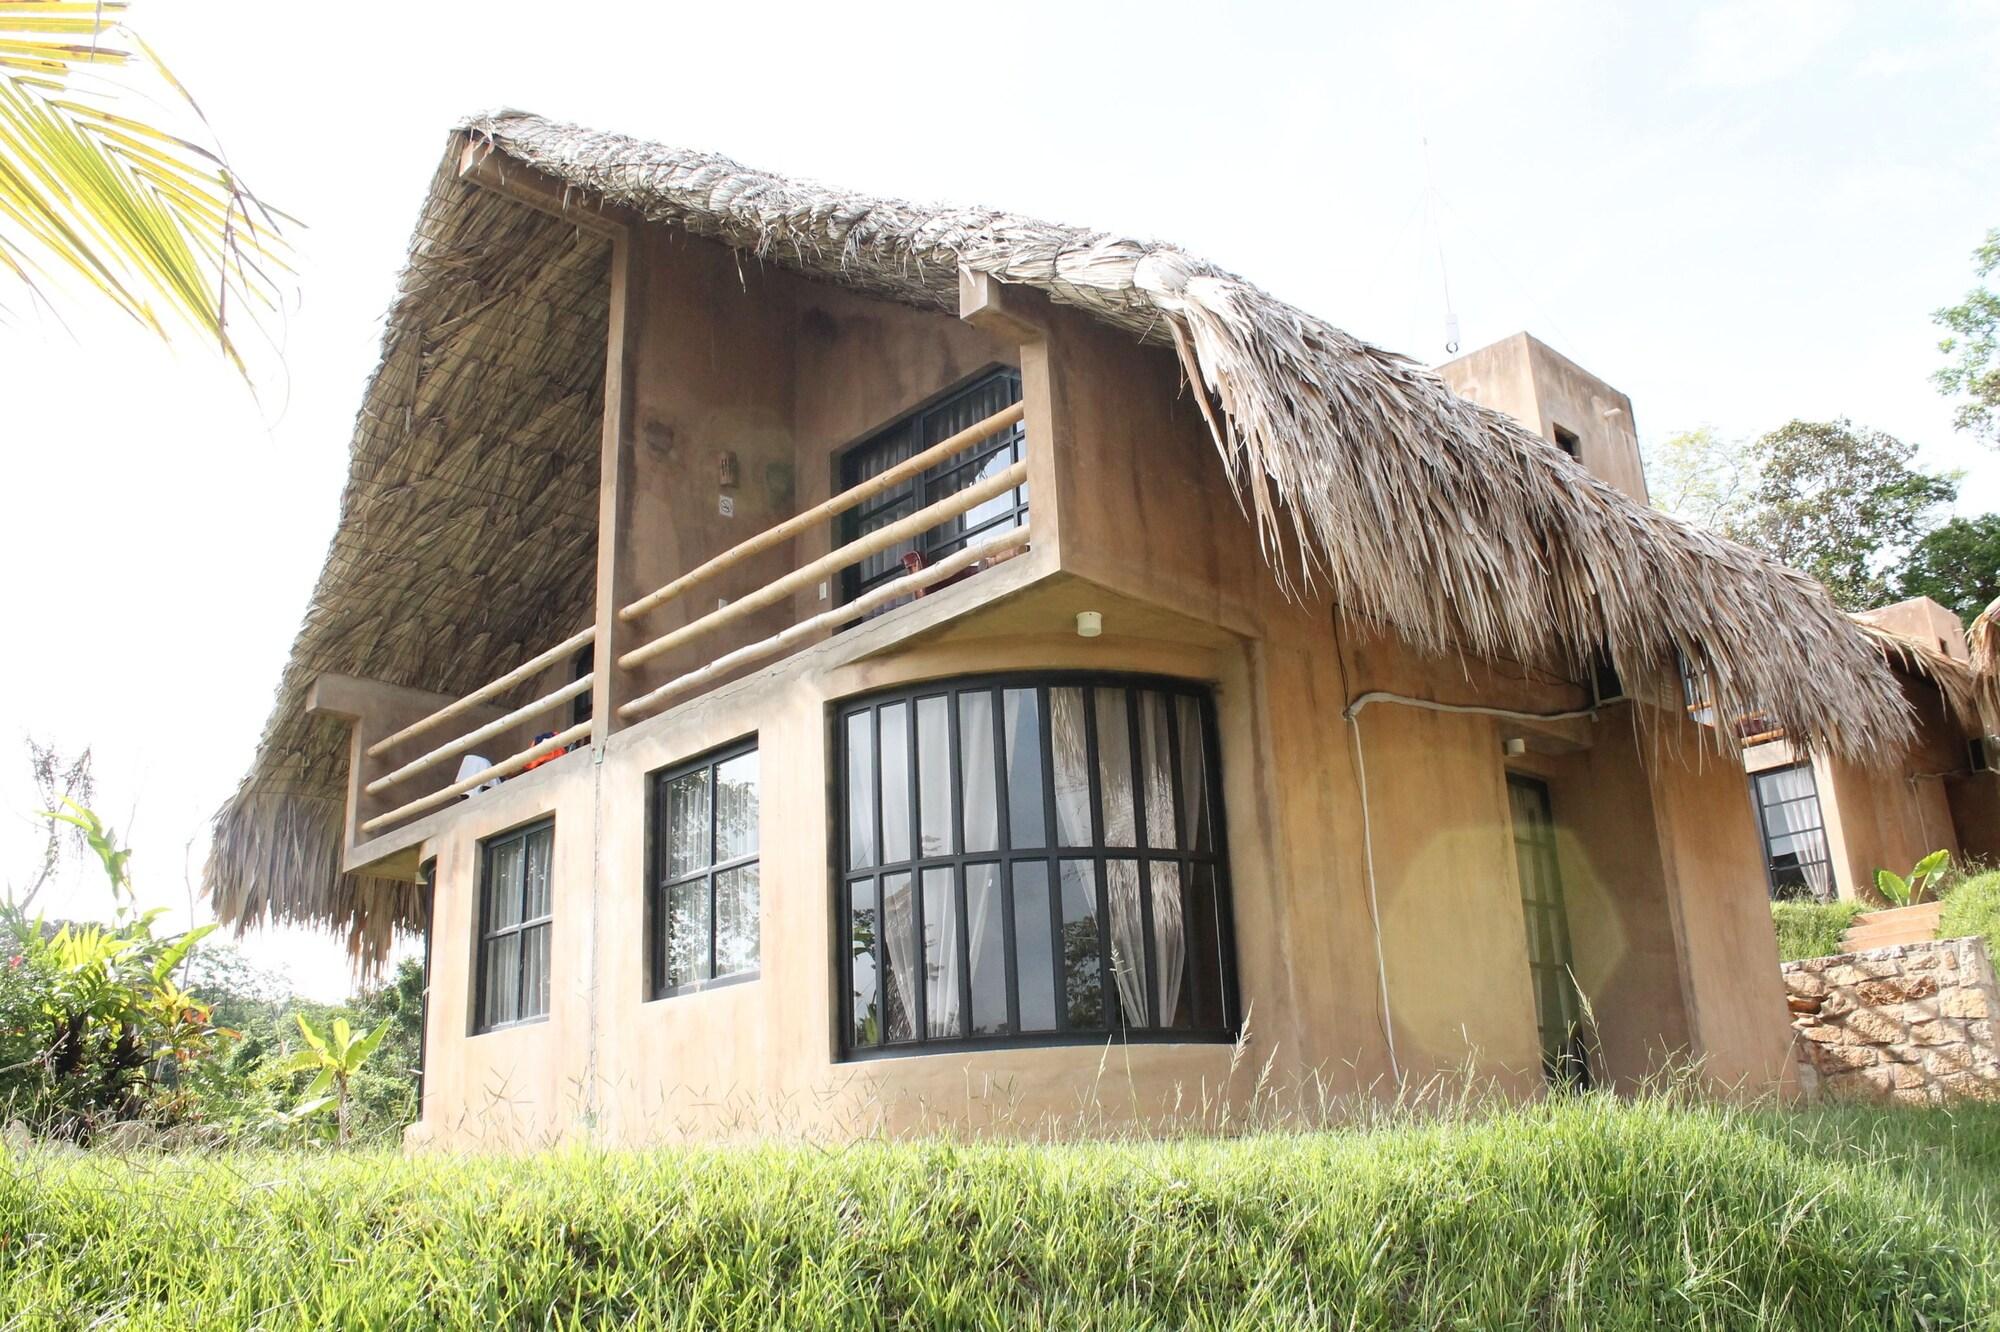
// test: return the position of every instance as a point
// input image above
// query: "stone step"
(1892, 926)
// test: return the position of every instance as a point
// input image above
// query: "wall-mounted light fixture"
(1089, 624)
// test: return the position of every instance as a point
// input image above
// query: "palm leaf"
(153, 221)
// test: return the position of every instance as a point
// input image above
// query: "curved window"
(1031, 859)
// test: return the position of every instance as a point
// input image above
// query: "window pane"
(687, 956)
(1170, 943)
(1194, 775)
(686, 823)
(1156, 763)
(1072, 771)
(503, 885)
(736, 808)
(1128, 940)
(1024, 770)
(976, 771)
(900, 956)
(1785, 784)
(1083, 985)
(986, 945)
(860, 790)
(503, 980)
(942, 957)
(895, 782)
(536, 871)
(535, 971)
(736, 921)
(1114, 766)
(863, 996)
(1034, 964)
(1201, 989)
(934, 775)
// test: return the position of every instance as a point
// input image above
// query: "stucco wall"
(1673, 944)
(1543, 389)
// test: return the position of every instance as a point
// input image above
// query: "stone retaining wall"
(1912, 1023)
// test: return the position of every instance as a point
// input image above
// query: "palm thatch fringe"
(1984, 640)
(1967, 694)
(1367, 479)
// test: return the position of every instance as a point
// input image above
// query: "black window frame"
(905, 438)
(488, 847)
(1763, 808)
(658, 885)
(844, 878)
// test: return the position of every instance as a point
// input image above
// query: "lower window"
(705, 872)
(1796, 857)
(1032, 860)
(514, 922)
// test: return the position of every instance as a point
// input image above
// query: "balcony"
(413, 753)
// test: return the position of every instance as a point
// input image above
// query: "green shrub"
(1583, 1212)
(1811, 929)
(1973, 908)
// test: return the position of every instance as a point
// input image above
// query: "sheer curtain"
(906, 962)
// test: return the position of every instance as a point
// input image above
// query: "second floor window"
(933, 425)
(515, 912)
(705, 872)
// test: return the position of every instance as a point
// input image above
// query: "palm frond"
(153, 221)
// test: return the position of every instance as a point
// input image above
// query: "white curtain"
(906, 959)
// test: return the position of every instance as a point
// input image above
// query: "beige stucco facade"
(748, 382)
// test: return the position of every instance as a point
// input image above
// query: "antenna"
(1437, 234)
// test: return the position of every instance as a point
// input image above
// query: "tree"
(1974, 343)
(141, 209)
(1699, 476)
(1956, 565)
(1841, 503)
(333, 1057)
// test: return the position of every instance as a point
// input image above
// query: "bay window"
(1031, 860)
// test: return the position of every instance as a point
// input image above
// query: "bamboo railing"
(548, 702)
(777, 590)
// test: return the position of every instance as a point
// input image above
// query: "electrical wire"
(1352, 713)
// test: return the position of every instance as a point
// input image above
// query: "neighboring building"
(1262, 692)
(1827, 821)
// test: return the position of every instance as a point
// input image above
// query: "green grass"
(1583, 1213)
(1811, 929)
(1973, 907)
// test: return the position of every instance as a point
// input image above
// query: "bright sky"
(1738, 213)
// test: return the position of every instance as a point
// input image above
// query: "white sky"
(1737, 213)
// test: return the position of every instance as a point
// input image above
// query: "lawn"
(1580, 1213)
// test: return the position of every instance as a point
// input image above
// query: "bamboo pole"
(880, 539)
(1013, 539)
(506, 767)
(484, 692)
(486, 732)
(826, 509)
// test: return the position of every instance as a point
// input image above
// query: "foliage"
(1957, 565)
(1972, 909)
(1582, 1211)
(58, 781)
(1811, 929)
(132, 207)
(1841, 503)
(1973, 341)
(92, 1019)
(333, 1058)
(1701, 477)
(1920, 886)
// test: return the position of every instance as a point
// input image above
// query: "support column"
(616, 584)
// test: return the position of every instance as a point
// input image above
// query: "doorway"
(1558, 1005)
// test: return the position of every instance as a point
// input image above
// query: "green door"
(1558, 1008)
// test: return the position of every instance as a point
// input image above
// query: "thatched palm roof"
(1389, 492)
(1969, 694)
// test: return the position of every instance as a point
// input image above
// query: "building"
(949, 668)
(1827, 821)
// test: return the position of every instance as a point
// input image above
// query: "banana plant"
(333, 1057)
(1920, 886)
